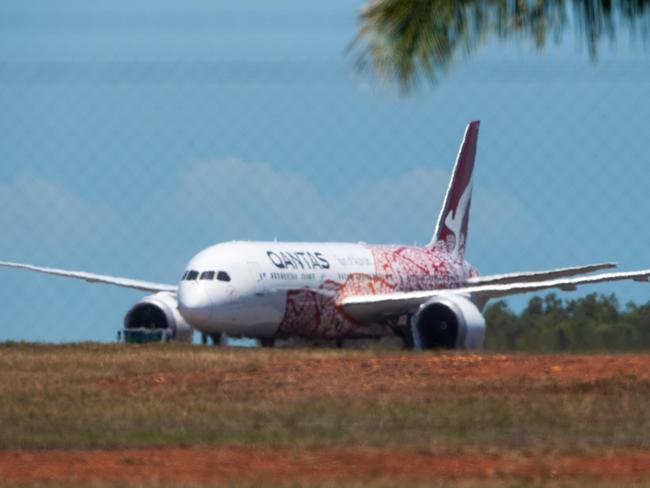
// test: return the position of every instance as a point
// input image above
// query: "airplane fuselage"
(284, 289)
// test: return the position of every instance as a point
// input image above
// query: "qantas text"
(298, 260)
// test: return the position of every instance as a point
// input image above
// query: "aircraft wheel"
(407, 338)
(267, 342)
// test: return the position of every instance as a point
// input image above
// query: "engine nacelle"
(158, 312)
(448, 322)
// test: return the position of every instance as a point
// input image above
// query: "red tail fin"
(451, 228)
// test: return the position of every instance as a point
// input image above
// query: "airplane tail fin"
(451, 228)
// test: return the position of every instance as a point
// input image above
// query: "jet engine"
(448, 322)
(155, 318)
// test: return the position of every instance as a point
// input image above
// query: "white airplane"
(429, 296)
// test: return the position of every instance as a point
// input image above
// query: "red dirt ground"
(221, 465)
(394, 374)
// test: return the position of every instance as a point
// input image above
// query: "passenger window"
(223, 276)
(192, 275)
(207, 275)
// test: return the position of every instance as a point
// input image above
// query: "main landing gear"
(267, 342)
(402, 329)
(215, 339)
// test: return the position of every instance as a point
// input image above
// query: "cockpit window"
(192, 275)
(184, 275)
(207, 275)
(223, 276)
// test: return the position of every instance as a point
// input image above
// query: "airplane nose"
(194, 305)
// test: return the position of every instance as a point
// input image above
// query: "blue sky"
(134, 135)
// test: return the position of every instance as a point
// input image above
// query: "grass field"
(496, 420)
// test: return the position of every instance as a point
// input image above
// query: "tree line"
(592, 323)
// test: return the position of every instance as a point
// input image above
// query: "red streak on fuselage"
(315, 313)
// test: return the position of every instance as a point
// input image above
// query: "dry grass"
(364, 484)
(320, 416)
(91, 396)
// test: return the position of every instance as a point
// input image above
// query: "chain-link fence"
(129, 140)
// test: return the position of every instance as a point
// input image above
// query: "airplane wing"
(95, 278)
(538, 275)
(368, 307)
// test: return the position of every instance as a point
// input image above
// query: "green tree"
(404, 40)
(549, 324)
(504, 327)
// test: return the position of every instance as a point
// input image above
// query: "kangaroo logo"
(454, 221)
